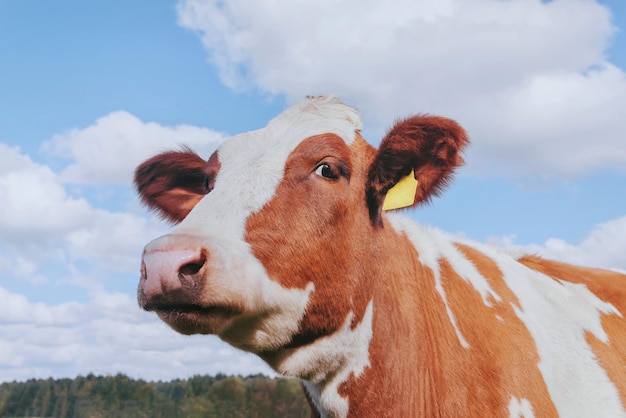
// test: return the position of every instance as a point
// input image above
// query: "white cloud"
(113, 239)
(603, 247)
(41, 223)
(34, 202)
(15, 309)
(21, 267)
(528, 79)
(567, 124)
(109, 334)
(110, 150)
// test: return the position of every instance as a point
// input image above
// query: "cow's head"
(277, 231)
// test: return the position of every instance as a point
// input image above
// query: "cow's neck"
(365, 367)
(408, 344)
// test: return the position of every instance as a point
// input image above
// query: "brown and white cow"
(282, 249)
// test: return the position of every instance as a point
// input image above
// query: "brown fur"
(325, 217)
(430, 145)
(173, 182)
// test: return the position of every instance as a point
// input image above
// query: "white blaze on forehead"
(253, 163)
(329, 361)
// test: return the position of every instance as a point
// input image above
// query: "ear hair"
(430, 145)
(171, 183)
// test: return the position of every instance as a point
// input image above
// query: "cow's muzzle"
(174, 272)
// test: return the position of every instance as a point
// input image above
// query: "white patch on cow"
(253, 163)
(272, 313)
(520, 408)
(557, 315)
(329, 361)
(433, 245)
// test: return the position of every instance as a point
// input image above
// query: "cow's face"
(276, 230)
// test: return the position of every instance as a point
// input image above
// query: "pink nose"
(171, 268)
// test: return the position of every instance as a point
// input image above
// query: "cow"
(288, 244)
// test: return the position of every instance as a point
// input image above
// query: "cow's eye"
(324, 170)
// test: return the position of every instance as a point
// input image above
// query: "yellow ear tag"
(402, 194)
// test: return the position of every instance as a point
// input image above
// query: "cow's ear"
(429, 147)
(172, 183)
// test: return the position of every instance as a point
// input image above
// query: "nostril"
(168, 269)
(193, 267)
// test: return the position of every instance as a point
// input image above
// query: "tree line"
(120, 396)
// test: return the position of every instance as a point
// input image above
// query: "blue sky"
(89, 89)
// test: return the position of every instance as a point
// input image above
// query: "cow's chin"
(200, 321)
